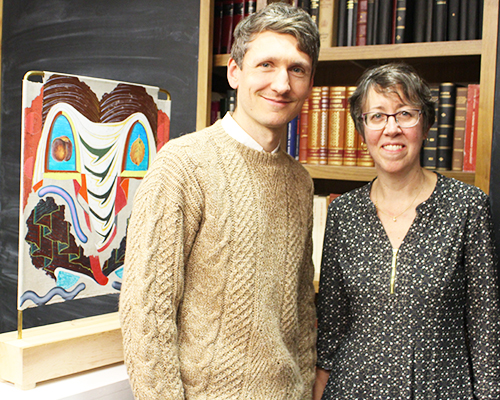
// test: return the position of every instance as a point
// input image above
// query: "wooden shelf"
(366, 174)
(390, 52)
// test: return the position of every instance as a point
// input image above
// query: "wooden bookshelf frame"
(485, 50)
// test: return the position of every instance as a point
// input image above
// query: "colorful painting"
(86, 145)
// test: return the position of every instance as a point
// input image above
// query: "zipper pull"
(393, 268)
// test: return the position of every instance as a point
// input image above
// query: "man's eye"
(265, 65)
(298, 70)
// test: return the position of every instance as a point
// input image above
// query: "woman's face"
(393, 149)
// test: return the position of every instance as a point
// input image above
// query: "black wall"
(152, 42)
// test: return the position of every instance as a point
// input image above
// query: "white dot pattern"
(437, 336)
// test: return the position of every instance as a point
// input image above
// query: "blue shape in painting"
(62, 135)
(137, 132)
(119, 272)
(66, 279)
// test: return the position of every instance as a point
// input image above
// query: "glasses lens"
(375, 120)
(407, 118)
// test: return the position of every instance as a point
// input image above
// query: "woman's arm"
(321, 379)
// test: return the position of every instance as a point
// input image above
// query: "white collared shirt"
(238, 133)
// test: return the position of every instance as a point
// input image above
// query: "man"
(217, 299)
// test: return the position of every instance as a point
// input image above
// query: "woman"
(408, 301)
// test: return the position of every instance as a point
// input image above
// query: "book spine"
(470, 142)
(363, 157)
(250, 7)
(462, 31)
(342, 24)
(362, 22)
(303, 131)
(327, 23)
(350, 23)
(440, 20)
(399, 35)
(430, 18)
(446, 120)
(350, 145)
(238, 14)
(420, 24)
(472, 19)
(305, 5)
(384, 22)
(323, 125)
(453, 19)
(457, 162)
(313, 141)
(315, 11)
(218, 15)
(429, 149)
(291, 137)
(336, 124)
(370, 14)
(227, 26)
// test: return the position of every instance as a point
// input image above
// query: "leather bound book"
(303, 131)
(313, 140)
(250, 7)
(473, 24)
(385, 19)
(305, 5)
(238, 13)
(470, 142)
(440, 20)
(351, 21)
(419, 21)
(292, 138)
(217, 27)
(328, 23)
(370, 22)
(429, 21)
(363, 157)
(342, 23)
(453, 19)
(314, 11)
(362, 21)
(404, 21)
(227, 25)
(446, 121)
(457, 158)
(350, 144)
(462, 26)
(323, 125)
(336, 124)
(429, 149)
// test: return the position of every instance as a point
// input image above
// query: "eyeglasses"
(404, 118)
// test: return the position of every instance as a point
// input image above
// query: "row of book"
(324, 132)
(365, 22)
(369, 22)
(452, 140)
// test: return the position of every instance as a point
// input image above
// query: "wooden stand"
(56, 350)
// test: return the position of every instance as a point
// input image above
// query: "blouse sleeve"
(482, 303)
(333, 301)
(160, 234)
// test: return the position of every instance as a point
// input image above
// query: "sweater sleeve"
(307, 314)
(160, 234)
(482, 304)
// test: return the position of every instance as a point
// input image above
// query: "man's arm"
(158, 240)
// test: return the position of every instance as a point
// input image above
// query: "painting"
(86, 145)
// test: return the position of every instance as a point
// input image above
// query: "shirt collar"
(238, 133)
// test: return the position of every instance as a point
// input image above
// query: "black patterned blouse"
(437, 335)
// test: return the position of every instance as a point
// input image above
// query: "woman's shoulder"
(452, 188)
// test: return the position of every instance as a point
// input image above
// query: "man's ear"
(233, 73)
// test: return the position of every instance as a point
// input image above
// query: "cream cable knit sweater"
(217, 300)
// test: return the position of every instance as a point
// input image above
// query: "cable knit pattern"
(217, 299)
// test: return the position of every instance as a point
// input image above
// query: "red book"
(227, 25)
(470, 142)
(238, 14)
(303, 130)
(362, 21)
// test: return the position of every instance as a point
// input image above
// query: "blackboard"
(153, 42)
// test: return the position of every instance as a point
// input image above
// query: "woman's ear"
(233, 73)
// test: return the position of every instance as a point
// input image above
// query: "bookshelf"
(466, 61)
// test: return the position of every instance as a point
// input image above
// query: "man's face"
(274, 81)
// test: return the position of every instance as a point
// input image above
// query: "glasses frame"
(363, 117)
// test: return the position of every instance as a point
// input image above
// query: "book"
(238, 14)
(363, 157)
(227, 26)
(473, 25)
(313, 140)
(305, 5)
(429, 20)
(230, 100)
(440, 14)
(351, 21)
(336, 124)
(462, 27)
(403, 21)
(429, 148)
(217, 38)
(292, 138)
(350, 145)
(453, 19)
(370, 22)
(446, 120)
(303, 131)
(320, 212)
(470, 141)
(361, 24)
(250, 7)
(314, 11)
(328, 22)
(342, 23)
(384, 24)
(420, 22)
(457, 161)
(323, 125)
